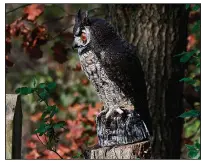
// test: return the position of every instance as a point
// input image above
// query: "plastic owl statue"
(112, 66)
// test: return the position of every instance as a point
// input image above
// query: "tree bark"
(159, 32)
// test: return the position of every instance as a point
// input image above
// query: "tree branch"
(40, 140)
(57, 153)
(17, 8)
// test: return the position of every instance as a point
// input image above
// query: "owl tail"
(143, 110)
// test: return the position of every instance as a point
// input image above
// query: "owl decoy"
(112, 66)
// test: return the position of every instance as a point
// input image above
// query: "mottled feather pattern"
(113, 67)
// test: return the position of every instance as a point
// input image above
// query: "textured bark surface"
(159, 32)
(121, 129)
(139, 150)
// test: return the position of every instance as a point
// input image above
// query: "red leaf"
(75, 128)
(68, 37)
(63, 148)
(78, 67)
(33, 11)
(35, 138)
(32, 155)
(85, 82)
(8, 62)
(36, 117)
(39, 35)
(35, 52)
(191, 42)
(8, 45)
(92, 112)
(30, 144)
(51, 155)
(60, 52)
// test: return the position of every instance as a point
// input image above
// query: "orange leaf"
(85, 81)
(36, 117)
(60, 52)
(35, 52)
(32, 155)
(33, 11)
(75, 129)
(8, 62)
(30, 144)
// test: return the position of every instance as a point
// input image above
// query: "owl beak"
(74, 45)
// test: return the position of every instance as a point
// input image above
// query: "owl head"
(92, 33)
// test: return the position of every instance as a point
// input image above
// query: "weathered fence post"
(13, 126)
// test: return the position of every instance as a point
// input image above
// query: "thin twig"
(64, 128)
(40, 140)
(63, 30)
(17, 8)
(48, 148)
(57, 153)
(56, 5)
(52, 20)
(45, 138)
(42, 99)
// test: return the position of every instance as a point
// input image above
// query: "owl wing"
(124, 68)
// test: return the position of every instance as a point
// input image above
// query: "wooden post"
(140, 150)
(13, 126)
(123, 136)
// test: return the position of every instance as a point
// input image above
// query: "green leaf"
(59, 124)
(198, 64)
(191, 113)
(190, 147)
(44, 95)
(43, 128)
(188, 80)
(183, 53)
(197, 145)
(195, 8)
(51, 86)
(42, 85)
(197, 88)
(196, 27)
(193, 151)
(45, 113)
(186, 56)
(51, 108)
(54, 111)
(187, 6)
(24, 90)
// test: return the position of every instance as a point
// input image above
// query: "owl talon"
(103, 112)
(112, 111)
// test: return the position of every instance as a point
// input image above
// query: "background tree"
(159, 32)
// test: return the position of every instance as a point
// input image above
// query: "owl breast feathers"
(113, 67)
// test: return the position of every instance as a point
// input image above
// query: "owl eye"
(84, 37)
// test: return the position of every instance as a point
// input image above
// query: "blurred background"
(32, 51)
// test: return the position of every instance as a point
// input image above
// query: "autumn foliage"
(80, 129)
(33, 35)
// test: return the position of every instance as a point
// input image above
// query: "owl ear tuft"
(86, 21)
(78, 17)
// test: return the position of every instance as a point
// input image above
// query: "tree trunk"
(140, 150)
(159, 32)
